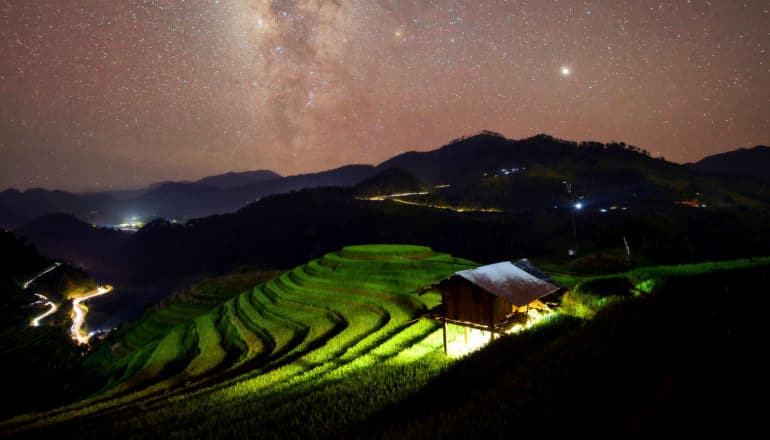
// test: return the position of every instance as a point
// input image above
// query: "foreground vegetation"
(273, 347)
(41, 367)
(336, 347)
(684, 360)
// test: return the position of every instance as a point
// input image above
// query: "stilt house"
(488, 296)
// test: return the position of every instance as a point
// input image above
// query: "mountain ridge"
(751, 162)
(462, 160)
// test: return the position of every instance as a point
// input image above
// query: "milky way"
(116, 94)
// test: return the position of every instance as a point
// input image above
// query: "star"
(301, 78)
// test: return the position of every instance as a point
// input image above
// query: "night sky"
(108, 94)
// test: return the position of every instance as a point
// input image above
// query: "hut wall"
(463, 301)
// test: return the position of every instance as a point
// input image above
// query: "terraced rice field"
(270, 348)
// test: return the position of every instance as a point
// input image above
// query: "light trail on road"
(32, 280)
(52, 309)
(80, 314)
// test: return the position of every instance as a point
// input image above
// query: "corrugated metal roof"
(530, 268)
(509, 282)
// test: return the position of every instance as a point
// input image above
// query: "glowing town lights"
(132, 225)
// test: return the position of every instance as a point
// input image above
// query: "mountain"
(233, 180)
(489, 198)
(487, 171)
(73, 240)
(183, 201)
(526, 174)
(17, 207)
(44, 358)
(173, 200)
(390, 181)
(345, 176)
(746, 162)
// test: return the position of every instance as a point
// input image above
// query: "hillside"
(390, 181)
(73, 240)
(314, 326)
(341, 340)
(485, 171)
(171, 200)
(234, 180)
(493, 198)
(18, 207)
(283, 231)
(745, 162)
(41, 366)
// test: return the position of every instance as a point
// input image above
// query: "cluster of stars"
(127, 93)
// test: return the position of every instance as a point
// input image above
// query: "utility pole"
(573, 206)
(574, 229)
(628, 251)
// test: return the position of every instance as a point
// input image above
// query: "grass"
(680, 361)
(336, 346)
(590, 294)
(291, 338)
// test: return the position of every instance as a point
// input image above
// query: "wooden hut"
(485, 297)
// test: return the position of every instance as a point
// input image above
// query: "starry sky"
(111, 94)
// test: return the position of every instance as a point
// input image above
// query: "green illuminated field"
(337, 346)
(273, 347)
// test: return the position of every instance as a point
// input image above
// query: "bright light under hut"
(463, 340)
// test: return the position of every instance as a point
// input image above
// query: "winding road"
(52, 308)
(80, 313)
(48, 269)
(78, 310)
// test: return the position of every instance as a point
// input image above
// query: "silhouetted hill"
(66, 237)
(490, 171)
(746, 162)
(484, 170)
(191, 200)
(44, 364)
(390, 181)
(177, 200)
(232, 180)
(346, 176)
(457, 159)
(490, 153)
(280, 231)
(180, 200)
(17, 207)
(18, 261)
(504, 199)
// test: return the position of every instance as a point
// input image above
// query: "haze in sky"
(117, 94)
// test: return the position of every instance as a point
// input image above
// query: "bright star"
(565, 71)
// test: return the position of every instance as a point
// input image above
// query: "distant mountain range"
(745, 162)
(173, 200)
(234, 180)
(485, 197)
(461, 162)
